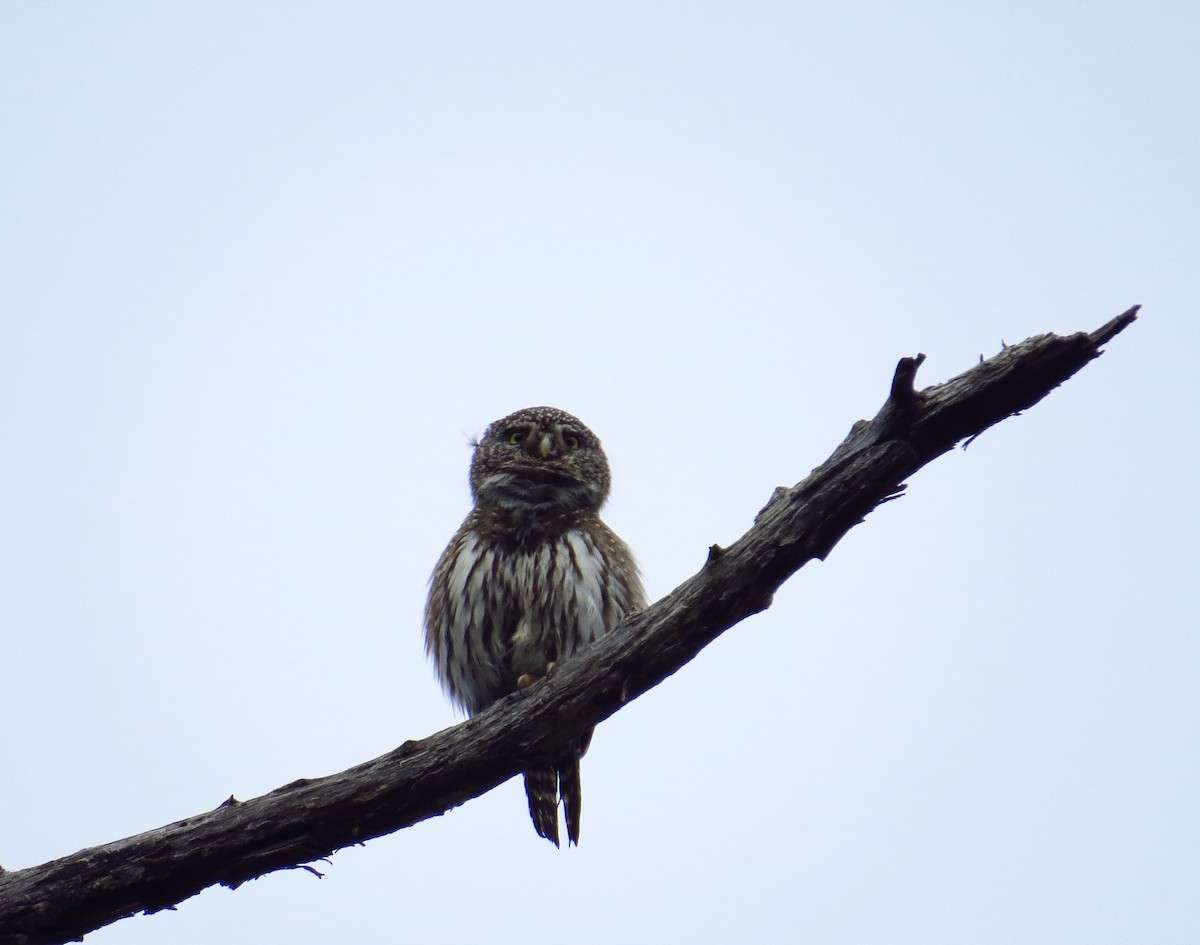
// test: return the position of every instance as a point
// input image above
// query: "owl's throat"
(535, 491)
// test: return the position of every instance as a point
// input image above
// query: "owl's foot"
(525, 680)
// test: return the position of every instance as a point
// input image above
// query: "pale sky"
(269, 266)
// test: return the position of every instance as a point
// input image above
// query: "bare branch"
(310, 819)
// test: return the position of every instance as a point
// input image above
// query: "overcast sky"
(268, 267)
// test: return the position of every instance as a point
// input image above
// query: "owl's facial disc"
(538, 472)
(542, 441)
(540, 460)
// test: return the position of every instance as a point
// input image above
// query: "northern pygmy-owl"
(530, 578)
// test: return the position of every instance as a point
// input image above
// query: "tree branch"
(309, 819)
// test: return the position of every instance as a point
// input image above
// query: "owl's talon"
(525, 680)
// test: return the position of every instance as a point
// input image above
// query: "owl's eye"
(515, 437)
(571, 441)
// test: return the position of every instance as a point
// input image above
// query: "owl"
(530, 578)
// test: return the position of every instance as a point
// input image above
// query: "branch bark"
(307, 820)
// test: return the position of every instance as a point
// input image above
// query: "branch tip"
(903, 392)
(1107, 332)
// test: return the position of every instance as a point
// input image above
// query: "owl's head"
(539, 458)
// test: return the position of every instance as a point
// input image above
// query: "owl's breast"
(555, 600)
(500, 610)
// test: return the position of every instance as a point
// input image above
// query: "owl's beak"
(545, 446)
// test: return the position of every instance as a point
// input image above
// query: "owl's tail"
(545, 784)
(541, 787)
(572, 795)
